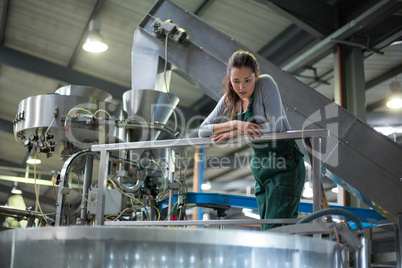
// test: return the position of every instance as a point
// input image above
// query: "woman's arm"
(239, 127)
(215, 128)
(271, 105)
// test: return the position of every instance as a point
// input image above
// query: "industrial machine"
(138, 158)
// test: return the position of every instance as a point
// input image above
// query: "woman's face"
(243, 81)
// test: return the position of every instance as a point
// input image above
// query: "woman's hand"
(247, 128)
(225, 135)
(238, 127)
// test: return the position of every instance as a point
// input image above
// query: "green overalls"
(279, 172)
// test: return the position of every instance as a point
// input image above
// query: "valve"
(33, 137)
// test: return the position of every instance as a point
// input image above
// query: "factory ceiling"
(41, 51)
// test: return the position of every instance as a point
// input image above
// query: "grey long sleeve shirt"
(267, 108)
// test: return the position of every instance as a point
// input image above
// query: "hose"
(336, 211)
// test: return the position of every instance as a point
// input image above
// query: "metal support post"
(103, 173)
(316, 168)
(362, 254)
(87, 183)
(170, 178)
(398, 240)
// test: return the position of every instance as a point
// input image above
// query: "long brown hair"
(238, 59)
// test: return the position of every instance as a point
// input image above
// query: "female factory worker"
(252, 102)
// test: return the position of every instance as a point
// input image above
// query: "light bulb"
(395, 102)
(32, 160)
(95, 43)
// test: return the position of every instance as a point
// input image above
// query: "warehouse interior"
(350, 52)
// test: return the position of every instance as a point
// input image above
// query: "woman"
(252, 103)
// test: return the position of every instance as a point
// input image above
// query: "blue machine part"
(368, 217)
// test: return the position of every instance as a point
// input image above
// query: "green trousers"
(279, 171)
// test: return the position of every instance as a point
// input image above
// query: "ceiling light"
(388, 130)
(249, 213)
(95, 43)
(395, 43)
(395, 102)
(308, 191)
(15, 189)
(32, 160)
(206, 186)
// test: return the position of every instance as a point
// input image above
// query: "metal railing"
(105, 149)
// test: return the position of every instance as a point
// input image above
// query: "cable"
(36, 192)
(167, 217)
(80, 109)
(47, 130)
(92, 114)
(84, 198)
(102, 110)
(159, 213)
(337, 211)
(124, 210)
(166, 62)
(15, 136)
(163, 172)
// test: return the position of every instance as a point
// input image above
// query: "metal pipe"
(297, 134)
(398, 241)
(129, 189)
(87, 183)
(170, 175)
(12, 212)
(100, 199)
(63, 185)
(362, 254)
(316, 167)
(200, 222)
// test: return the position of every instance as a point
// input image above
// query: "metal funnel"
(144, 108)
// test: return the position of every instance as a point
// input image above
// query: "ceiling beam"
(6, 126)
(27, 195)
(287, 45)
(55, 71)
(384, 77)
(302, 14)
(371, 16)
(3, 23)
(203, 7)
(381, 118)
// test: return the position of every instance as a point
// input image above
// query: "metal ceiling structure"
(40, 51)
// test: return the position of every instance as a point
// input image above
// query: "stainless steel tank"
(105, 246)
(38, 113)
